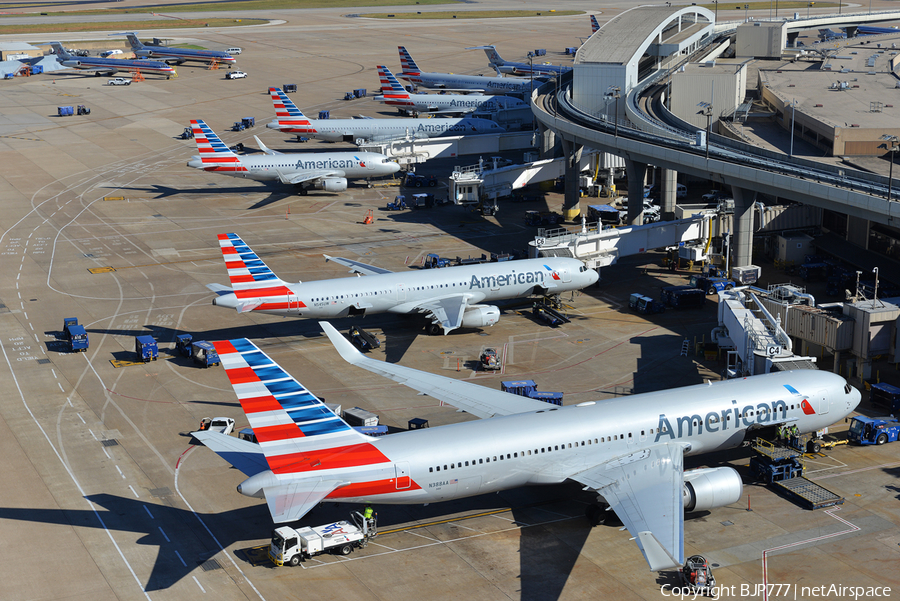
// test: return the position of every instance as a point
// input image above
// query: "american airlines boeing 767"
(629, 451)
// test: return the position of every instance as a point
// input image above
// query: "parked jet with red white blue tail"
(496, 62)
(327, 171)
(394, 94)
(177, 56)
(290, 119)
(451, 81)
(594, 25)
(109, 66)
(451, 297)
(629, 451)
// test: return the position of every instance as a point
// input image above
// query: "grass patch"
(472, 14)
(229, 6)
(126, 26)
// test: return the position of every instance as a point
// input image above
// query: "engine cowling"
(332, 184)
(707, 488)
(479, 316)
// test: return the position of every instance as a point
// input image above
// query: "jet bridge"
(410, 150)
(600, 247)
(755, 341)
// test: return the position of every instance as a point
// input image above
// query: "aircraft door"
(293, 304)
(401, 292)
(823, 402)
(401, 473)
(565, 274)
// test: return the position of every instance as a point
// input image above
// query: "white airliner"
(321, 171)
(394, 94)
(628, 450)
(452, 297)
(177, 56)
(495, 61)
(451, 81)
(289, 119)
(109, 66)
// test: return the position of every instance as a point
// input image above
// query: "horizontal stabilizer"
(290, 502)
(219, 289)
(244, 455)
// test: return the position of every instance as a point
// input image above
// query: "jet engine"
(332, 184)
(707, 488)
(478, 316)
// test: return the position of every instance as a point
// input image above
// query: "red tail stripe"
(255, 292)
(223, 237)
(260, 404)
(325, 459)
(278, 432)
(228, 250)
(365, 489)
(241, 279)
(235, 264)
(224, 347)
(242, 375)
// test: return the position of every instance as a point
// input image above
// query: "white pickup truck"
(119, 81)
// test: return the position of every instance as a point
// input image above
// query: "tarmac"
(103, 221)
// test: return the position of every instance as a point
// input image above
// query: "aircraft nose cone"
(593, 276)
(394, 167)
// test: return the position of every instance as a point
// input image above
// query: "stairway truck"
(290, 546)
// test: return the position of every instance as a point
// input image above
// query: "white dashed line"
(105, 453)
(92, 433)
(198, 584)
(161, 531)
(81, 418)
(120, 472)
(178, 555)
(148, 513)
(134, 491)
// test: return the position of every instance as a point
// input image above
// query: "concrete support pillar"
(548, 144)
(571, 208)
(636, 172)
(742, 239)
(668, 186)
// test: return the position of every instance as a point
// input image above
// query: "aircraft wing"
(459, 111)
(244, 455)
(471, 398)
(357, 267)
(298, 177)
(448, 311)
(645, 490)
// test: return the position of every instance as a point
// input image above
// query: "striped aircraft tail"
(391, 89)
(409, 66)
(594, 25)
(312, 453)
(296, 431)
(247, 271)
(214, 153)
(288, 115)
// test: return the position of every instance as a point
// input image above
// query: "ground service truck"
(290, 546)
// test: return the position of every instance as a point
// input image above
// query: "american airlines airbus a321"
(629, 450)
(327, 171)
(450, 81)
(394, 94)
(452, 297)
(290, 119)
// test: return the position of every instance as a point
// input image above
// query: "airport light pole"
(808, 4)
(746, 9)
(716, 2)
(894, 142)
(613, 92)
(706, 111)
